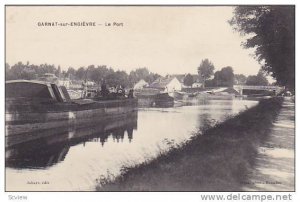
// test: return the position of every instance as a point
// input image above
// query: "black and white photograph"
(149, 98)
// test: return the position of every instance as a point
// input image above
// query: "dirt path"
(274, 170)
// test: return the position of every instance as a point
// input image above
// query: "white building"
(197, 85)
(76, 84)
(140, 85)
(90, 83)
(64, 82)
(167, 84)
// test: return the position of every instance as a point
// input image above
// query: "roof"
(35, 90)
(231, 91)
(161, 82)
(28, 89)
(141, 81)
(28, 81)
(180, 77)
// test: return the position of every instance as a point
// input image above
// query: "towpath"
(274, 168)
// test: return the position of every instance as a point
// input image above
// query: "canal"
(77, 159)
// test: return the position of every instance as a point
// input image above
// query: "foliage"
(210, 83)
(205, 70)
(142, 73)
(28, 71)
(98, 74)
(71, 73)
(257, 80)
(188, 80)
(240, 79)
(271, 31)
(117, 78)
(80, 73)
(224, 77)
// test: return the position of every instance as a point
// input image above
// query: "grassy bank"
(218, 160)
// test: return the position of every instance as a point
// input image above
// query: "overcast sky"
(163, 39)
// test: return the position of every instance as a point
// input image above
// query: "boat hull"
(157, 100)
(26, 121)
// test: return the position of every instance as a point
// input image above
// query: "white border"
(126, 196)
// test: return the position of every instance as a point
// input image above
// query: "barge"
(32, 107)
(149, 97)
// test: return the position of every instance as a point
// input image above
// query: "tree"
(188, 80)
(64, 74)
(257, 80)
(71, 72)
(152, 77)
(224, 77)
(20, 71)
(205, 70)
(142, 73)
(138, 74)
(8, 75)
(102, 72)
(46, 68)
(272, 34)
(91, 74)
(122, 77)
(117, 78)
(58, 71)
(240, 79)
(80, 73)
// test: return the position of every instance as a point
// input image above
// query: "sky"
(166, 40)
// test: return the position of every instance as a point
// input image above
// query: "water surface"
(76, 159)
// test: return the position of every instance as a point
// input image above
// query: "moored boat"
(157, 100)
(33, 106)
(151, 97)
(163, 100)
(179, 95)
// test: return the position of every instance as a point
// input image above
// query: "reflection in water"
(48, 151)
(27, 156)
(74, 159)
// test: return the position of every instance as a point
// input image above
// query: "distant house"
(166, 84)
(90, 83)
(76, 84)
(181, 78)
(197, 85)
(140, 85)
(64, 82)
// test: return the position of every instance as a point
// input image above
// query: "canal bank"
(220, 159)
(275, 167)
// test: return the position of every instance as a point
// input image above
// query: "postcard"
(150, 98)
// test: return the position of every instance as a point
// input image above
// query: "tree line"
(102, 74)
(99, 74)
(224, 77)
